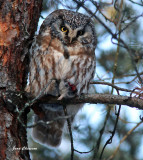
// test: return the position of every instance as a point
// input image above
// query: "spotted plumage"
(62, 58)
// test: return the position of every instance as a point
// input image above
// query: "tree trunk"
(18, 23)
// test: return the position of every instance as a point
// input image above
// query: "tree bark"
(18, 23)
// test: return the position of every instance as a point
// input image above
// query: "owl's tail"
(50, 125)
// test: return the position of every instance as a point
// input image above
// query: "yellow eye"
(64, 29)
(79, 33)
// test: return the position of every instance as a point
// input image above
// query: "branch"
(109, 141)
(114, 36)
(70, 132)
(97, 146)
(112, 85)
(123, 139)
(136, 3)
(94, 99)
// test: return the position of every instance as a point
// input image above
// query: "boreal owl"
(62, 63)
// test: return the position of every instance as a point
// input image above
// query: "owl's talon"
(60, 98)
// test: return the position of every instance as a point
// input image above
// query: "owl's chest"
(76, 69)
(64, 67)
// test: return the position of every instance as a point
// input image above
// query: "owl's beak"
(71, 38)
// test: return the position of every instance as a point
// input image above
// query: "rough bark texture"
(18, 23)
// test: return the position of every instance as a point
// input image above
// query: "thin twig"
(126, 122)
(100, 137)
(135, 18)
(118, 47)
(122, 76)
(136, 3)
(112, 85)
(113, 79)
(70, 132)
(99, 6)
(109, 141)
(123, 139)
(84, 152)
(114, 36)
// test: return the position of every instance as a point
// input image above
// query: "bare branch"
(112, 85)
(70, 132)
(129, 24)
(123, 139)
(94, 99)
(136, 3)
(114, 36)
(83, 152)
(121, 76)
(109, 141)
(96, 148)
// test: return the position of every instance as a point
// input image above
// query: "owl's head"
(70, 28)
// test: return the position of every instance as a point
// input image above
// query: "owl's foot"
(66, 90)
(61, 97)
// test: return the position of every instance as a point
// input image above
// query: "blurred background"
(94, 122)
